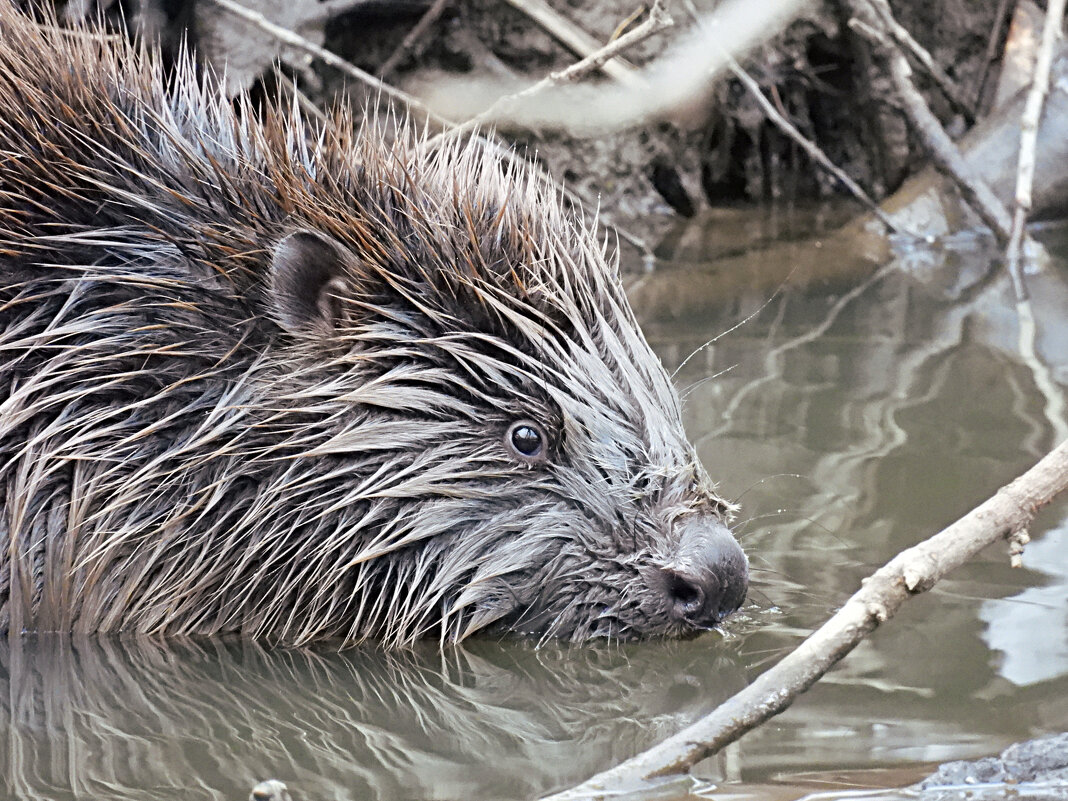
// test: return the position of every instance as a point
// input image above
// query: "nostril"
(708, 575)
(686, 595)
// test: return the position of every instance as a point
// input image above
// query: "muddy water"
(871, 396)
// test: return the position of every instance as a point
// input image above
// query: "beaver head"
(301, 384)
(516, 449)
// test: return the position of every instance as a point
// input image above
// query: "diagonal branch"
(788, 128)
(657, 20)
(941, 79)
(294, 40)
(574, 38)
(1004, 516)
(407, 47)
(943, 151)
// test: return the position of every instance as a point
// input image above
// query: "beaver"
(302, 382)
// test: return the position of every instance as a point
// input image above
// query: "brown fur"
(301, 384)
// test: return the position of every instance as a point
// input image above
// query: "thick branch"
(916, 570)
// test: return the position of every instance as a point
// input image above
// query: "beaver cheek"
(706, 579)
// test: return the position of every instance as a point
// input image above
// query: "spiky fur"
(173, 460)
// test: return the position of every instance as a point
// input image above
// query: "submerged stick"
(1006, 515)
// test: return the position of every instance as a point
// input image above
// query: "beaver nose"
(709, 577)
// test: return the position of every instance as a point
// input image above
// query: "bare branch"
(414, 35)
(658, 20)
(941, 79)
(678, 80)
(791, 130)
(573, 37)
(294, 40)
(945, 154)
(913, 571)
(1019, 52)
(1025, 174)
(1001, 16)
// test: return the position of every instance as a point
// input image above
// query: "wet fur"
(179, 455)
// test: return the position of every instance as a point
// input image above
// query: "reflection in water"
(1011, 628)
(869, 402)
(100, 718)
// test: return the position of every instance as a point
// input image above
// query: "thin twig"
(1025, 174)
(295, 40)
(941, 79)
(787, 127)
(572, 37)
(908, 574)
(414, 35)
(626, 22)
(943, 151)
(1002, 14)
(811, 148)
(658, 20)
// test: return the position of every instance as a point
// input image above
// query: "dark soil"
(817, 72)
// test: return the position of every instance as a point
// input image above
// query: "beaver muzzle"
(708, 578)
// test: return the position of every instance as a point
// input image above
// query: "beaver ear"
(307, 279)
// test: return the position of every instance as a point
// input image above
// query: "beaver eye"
(526, 440)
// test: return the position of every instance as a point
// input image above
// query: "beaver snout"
(709, 577)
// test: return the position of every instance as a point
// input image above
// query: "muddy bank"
(720, 149)
(723, 149)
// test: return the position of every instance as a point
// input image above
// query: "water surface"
(877, 396)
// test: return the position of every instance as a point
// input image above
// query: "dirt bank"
(722, 149)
